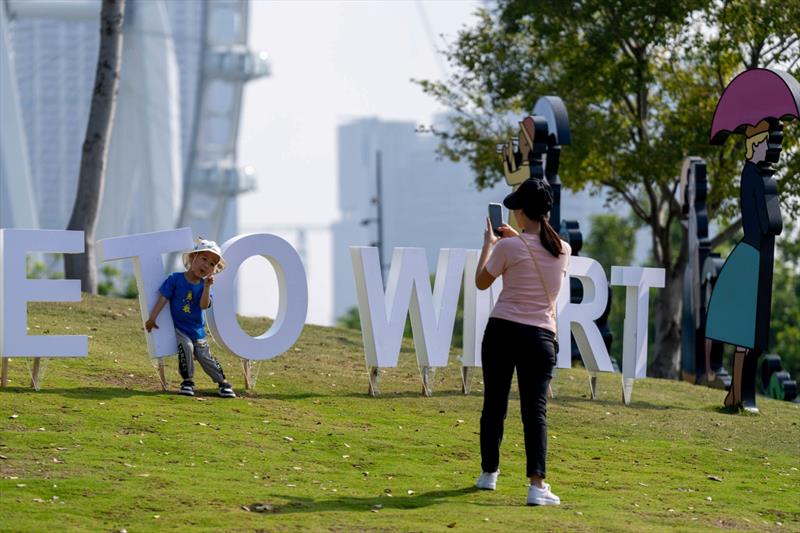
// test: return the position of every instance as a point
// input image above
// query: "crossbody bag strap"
(541, 277)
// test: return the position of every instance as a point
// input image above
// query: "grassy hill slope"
(100, 447)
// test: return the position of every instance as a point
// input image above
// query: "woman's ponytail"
(550, 239)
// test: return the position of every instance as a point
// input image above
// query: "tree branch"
(683, 255)
(780, 49)
(726, 234)
(630, 198)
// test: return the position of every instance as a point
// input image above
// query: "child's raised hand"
(150, 324)
(209, 281)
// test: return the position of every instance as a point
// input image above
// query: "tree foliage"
(785, 329)
(640, 81)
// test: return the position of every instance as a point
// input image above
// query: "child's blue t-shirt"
(184, 305)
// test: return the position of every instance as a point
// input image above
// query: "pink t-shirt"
(523, 299)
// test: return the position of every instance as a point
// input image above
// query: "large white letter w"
(383, 315)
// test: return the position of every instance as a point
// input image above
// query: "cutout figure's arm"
(760, 201)
(772, 207)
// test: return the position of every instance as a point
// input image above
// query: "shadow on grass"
(290, 396)
(406, 394)
(618, 403)
(723, 410)
(87, 393)
(349, 503)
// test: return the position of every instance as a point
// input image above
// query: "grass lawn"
(101, 448)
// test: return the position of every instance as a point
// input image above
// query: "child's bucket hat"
(203, 245)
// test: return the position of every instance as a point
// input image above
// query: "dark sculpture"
(754, 103)
(700, 364)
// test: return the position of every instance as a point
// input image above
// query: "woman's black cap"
(533, 195)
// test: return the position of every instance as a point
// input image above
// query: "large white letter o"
(292, 298)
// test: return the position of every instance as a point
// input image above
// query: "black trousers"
(530, 350)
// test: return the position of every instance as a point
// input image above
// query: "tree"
(785, 334)
(640, 81)
(95, 145)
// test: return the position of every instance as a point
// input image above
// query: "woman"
(521, 333)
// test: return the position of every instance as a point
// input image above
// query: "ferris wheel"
(172, 155)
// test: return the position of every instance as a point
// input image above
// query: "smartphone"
(496, 218)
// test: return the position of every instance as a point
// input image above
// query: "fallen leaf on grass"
(451, 525)
(715, 478)
(3, 457)
(15, 415)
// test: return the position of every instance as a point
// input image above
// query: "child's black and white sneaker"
(226, 391)
(187, 388)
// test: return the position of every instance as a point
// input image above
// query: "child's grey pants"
(200, 350)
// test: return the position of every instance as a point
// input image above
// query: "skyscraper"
(426, 201)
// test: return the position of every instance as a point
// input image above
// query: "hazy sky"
(331, 62)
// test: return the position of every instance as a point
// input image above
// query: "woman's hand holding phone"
(489, 238)
(507, 231)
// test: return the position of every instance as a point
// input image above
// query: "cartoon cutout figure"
(754, 103)
(518, 154)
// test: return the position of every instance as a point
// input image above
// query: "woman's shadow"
(298, 504)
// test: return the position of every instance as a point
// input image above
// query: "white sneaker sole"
(544, 502)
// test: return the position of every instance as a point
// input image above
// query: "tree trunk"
(666, 363)
(95, 145)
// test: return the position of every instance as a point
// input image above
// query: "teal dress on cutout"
(739, 310)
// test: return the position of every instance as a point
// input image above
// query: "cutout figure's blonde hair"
(755, 136)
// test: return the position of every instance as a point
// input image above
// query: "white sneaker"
(487, 480)
(543, 496)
